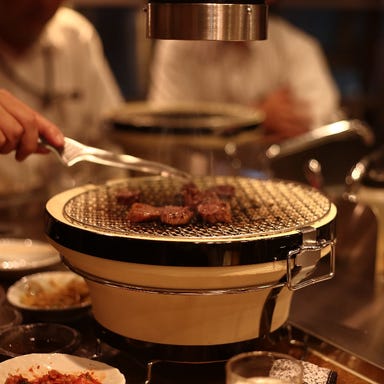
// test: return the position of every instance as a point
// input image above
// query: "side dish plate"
(51, 295)
(35, 365)
(22, 256)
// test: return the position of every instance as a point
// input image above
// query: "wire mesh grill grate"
(259, 208)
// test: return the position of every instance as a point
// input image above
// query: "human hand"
(285, 115)
(21, 126)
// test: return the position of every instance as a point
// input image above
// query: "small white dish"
(53, 295)
(38, 364)
(25, 255)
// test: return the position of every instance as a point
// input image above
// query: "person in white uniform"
(52, 59)
(286, 76)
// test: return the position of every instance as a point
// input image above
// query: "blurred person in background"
(52, 59)
(286, 76)
(21, 126)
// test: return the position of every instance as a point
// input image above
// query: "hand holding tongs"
(73, 152)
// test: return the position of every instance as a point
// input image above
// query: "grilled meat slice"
(141, 212)
(128, 196)
(192, 195)
(176, 215)
(224, 191)
(215, 211)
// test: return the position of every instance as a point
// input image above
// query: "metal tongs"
(73, 152)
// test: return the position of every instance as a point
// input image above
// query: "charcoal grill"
(198, 284)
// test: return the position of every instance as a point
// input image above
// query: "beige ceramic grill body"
(140, 295)
(199, 318)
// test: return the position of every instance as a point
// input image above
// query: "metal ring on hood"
(221, 20)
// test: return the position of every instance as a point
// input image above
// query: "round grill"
(268, 217)
(259, 208)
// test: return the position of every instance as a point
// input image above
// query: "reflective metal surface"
(73, 152)
(342, 129)
(348, 311)
(207, 21)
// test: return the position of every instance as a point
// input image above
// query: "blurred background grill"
(351, 33)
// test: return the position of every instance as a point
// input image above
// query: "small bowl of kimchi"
(50, 296)
(57, 368)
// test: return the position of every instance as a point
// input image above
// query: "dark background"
(351, 33)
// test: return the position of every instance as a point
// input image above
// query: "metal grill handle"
(306, 259)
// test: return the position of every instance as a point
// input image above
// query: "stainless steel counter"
(348, 311)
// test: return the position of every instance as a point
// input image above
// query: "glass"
(261, 367)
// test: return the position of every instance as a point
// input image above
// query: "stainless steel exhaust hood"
(195, 20)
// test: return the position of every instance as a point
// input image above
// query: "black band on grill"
(171, 253)
(267, 217)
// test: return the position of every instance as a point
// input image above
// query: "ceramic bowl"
(38, 338)
(51, 296)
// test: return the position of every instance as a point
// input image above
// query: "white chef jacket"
(245, 73)
(82, 88)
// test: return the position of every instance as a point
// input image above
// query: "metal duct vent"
(195, 20)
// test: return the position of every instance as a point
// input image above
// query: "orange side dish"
(54, 377)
